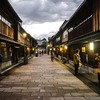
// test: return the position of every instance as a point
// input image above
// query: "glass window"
(65, 34)
(0, 17)
(5, 50)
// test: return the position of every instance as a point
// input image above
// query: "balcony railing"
(82, 29)
(22, 40)
(6, 30)
(28, 43)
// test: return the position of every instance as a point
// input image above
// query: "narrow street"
(42, 79)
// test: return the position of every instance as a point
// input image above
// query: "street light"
(24, 35)
(54, 49)
(65, 47)
(33, 49)
(25, 53)
(61, 49)
(91, 46)
(48, 47)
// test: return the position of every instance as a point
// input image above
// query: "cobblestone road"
(42, 79)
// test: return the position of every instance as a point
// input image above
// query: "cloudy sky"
(43, 18)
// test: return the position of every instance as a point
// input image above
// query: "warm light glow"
(50, 49)
(61, 49)
(54, 49)
(91, 46)
(66, 47)
(24, 35)
(28, 48)
(83, 49)
(48, 45)
(33, 49)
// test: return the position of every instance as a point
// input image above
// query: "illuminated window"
(91, 46)
(83, 49)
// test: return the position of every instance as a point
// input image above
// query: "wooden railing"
(20, 38)
(28, 43)
(82, 29)
(6, 30)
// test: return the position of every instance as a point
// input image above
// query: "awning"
(4, 39)
(92, 37)
(9, 40)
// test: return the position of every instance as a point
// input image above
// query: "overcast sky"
(43, 18)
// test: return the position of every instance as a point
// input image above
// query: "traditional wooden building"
(59, 41)
(13, 44)
(9, 21)
(84, 31)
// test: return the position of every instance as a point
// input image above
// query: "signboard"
(65, 36)
(57, 39)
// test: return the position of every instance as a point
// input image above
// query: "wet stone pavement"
(42, 79)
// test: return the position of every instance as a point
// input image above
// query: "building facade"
(59, 42)
(12, 42)
(82, 32)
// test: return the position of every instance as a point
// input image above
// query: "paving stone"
(10, 98)
(19, 88)
(93, 98)
(30, 90)
(19, 94)
(32, 98)
(43, 90)
(41, 94)
(4, 94)
(53, 98)
(75, 98)
(42, 79)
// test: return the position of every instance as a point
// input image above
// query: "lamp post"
(25, 53)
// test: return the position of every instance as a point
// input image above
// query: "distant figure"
(76, 59)
(42, 52)
(36, 53)
(52, 56)
(96, 62)
(0, 62)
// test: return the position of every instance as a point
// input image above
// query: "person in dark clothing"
(42, 52)
(1, 58)
(0, 61)
(96, 60)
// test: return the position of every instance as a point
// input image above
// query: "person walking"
(96, 60)
(77, 60)
(52, 56)
(42, 52)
